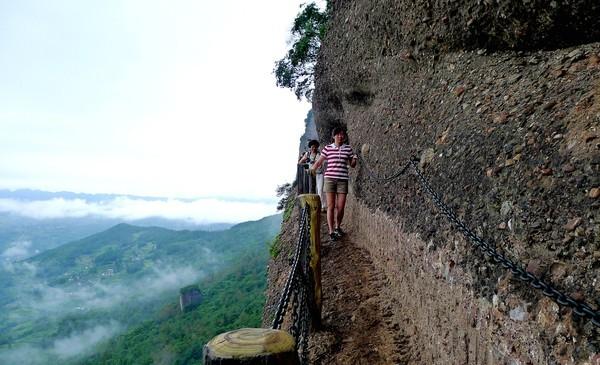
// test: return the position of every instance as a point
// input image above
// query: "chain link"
(580, 308)
(285, 295)
(382, 178)
(297, 290)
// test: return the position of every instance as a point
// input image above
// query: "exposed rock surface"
(389, 27)
(508, 135)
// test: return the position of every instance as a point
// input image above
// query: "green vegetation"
(287, 201)
(296, 70)
(111, 281)
(289, 207)
(233, 299)
(275, 246)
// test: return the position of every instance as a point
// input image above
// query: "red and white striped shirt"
(337, 160)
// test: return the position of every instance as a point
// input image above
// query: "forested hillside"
(233, 299)
(89, 290)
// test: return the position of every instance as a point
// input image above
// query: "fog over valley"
(58, 305)
(33, 221)
(130, 208)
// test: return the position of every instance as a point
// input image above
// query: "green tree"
(296, 70)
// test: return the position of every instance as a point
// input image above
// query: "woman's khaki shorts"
(338, 186)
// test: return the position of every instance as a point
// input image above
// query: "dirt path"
(358, 326)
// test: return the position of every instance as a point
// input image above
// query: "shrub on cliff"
(295, 70)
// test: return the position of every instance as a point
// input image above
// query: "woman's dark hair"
(337, 130)
(313, 142)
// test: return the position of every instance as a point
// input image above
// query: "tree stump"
(251, 346)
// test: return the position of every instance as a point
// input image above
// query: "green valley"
(58, 306)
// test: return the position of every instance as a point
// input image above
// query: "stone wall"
(449, 323)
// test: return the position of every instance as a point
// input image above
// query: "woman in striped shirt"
(338, 155)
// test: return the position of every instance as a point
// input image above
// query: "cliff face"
(310, 133)
(506, 124)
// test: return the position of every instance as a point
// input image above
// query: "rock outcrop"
(506, 124)
(189, 298)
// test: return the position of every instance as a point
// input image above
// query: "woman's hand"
(353, 160)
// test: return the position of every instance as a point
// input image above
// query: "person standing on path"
(338, 155)
(311, 157)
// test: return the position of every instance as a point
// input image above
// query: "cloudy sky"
(154, 98)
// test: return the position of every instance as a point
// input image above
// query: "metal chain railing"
(297, 291)
(580, 308)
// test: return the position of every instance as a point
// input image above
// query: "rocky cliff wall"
(509, 135)
(438, 310)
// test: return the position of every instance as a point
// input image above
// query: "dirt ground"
(358, 325)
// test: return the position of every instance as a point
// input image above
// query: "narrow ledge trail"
(358, 322)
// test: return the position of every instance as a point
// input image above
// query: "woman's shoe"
(339, 232)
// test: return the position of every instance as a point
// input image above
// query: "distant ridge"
(32, 194)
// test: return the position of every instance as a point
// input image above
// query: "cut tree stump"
(250, 346)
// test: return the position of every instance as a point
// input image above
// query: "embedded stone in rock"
(459, 90)
(575, 55)
(506, 208)
(518, 314)
(589, 137)
(578, 295)
(549, 105)
(568, 168)
(594, 193)
(572, 224)
(558, 270)
(365, 150)
(534, 267)
(548, 313)
(501, 118)
(426, 157)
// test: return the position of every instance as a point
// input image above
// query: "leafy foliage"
(275, 246)
(125, 274)
(296, 70)
(234, 299)
(284, 192)
(286, 203)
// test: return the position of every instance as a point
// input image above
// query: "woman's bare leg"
(330, 211)
(340, 204)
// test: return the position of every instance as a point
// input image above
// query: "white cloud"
(17, 250)
(199, 211)
(79, 343)
(23, 355)
(55, 300)
(174, 100)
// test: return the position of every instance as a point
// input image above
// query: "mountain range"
(79, 294)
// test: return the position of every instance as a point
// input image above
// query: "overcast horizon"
(149, 99)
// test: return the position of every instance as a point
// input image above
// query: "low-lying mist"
(38, 299)
(200, 211)
(62, 349)
(93, 307)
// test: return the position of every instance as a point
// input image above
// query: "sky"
(153, 98)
